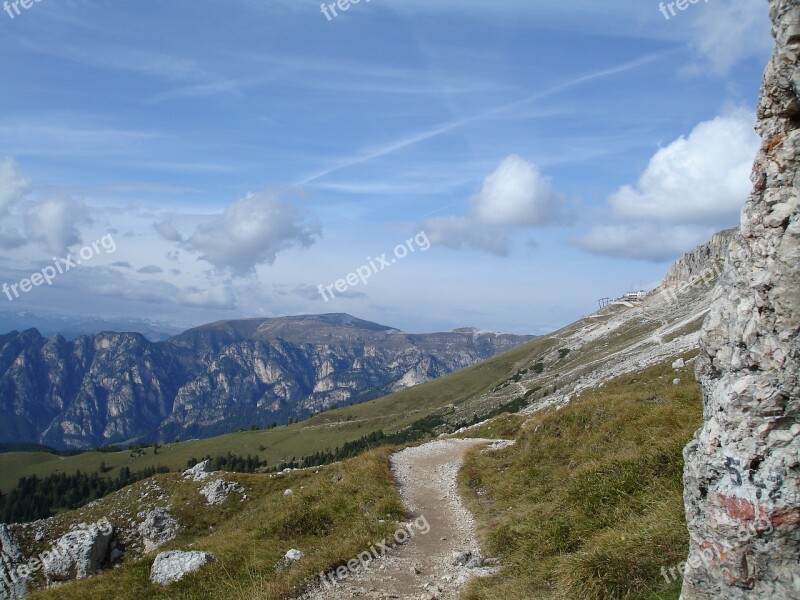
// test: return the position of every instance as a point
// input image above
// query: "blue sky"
(242, 154)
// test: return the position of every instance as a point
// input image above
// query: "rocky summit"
(742, 478)
(120, 387)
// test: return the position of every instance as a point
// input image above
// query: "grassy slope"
(321, 432)
(331, 517)
(588, 505)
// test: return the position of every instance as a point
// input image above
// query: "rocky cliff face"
(697, 263)
(119, 387)
(742, 477)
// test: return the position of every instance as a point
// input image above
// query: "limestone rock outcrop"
(199, 472)
(700, 262)
(158, 527)
(13, 584)
(79, 554)
(218, 490)
(170, 567)
(742, 475)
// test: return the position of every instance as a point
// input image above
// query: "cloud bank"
(690, 189)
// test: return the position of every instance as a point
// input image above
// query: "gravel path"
(424, 567)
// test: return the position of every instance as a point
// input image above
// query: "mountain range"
(121, 388)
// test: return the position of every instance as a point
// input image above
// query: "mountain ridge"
(112, 388)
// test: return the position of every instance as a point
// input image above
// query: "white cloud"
(217, 297)
(166, 230)
(702, 178)
(728, 32)
(690, 189)
(53, 223)
(251, 232)
(13, 186)
(516, 194)
(13, 189)
(645, 241)
(458, 232)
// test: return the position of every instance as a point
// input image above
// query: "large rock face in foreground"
(743, 468)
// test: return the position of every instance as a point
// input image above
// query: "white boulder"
(158, 527)
(79, 554)
(169, 567)
(199, 472)
(217, 491)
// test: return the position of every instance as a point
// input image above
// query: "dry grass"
(588, 504)
(331, 517)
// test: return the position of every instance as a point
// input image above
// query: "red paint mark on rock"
(737, 508)
(784, 516)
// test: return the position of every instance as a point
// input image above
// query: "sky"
(425, 165)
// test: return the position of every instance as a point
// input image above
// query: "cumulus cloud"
(702, 178)
(13, 189)
(251, 232)
(51, 223)
(515, 195)
(726, 33)
(54, 223)
(13, 186)
(693, 187)
(459, 232)
(645, 241)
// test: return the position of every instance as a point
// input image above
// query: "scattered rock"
(199, 472)
(79, 554)
(217, 491)
(467, 559)
(11, 587)
(679, 364)
(288, 492)
(158, 527)
(292, 556)
(676, 381)
(172, 566)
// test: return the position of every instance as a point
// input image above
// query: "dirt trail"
(423, 567)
